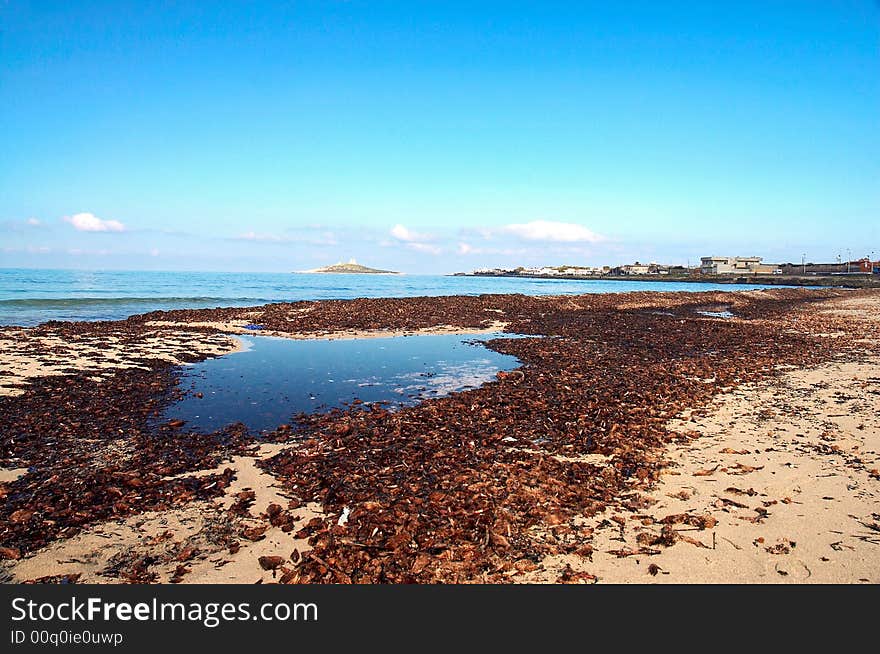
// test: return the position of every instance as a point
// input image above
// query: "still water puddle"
(274, 379)
(716, 314)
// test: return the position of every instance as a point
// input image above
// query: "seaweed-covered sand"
(646, 438)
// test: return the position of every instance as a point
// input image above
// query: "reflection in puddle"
(274, 379)
(716, 314)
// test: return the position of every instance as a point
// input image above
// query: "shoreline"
(530, 478)
(28, 313)
(338, 335)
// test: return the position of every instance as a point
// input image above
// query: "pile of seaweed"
(475, 486)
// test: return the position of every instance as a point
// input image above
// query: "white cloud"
(30, 249)
(427, 248)
(468, 249)
(78, 252)
(557, 232)
(89, 222)
(253, 236)
(324, 238)
(21, 225)
(154, 252)
(406, 235)
(412, 240)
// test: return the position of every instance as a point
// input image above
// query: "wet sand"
(644, 443)
(26, 354)
(236, 327)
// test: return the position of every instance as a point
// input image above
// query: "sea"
(29, 297)
(273, 379)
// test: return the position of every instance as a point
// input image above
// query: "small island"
(352, 267)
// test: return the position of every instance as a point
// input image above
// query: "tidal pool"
(716, 314)
(273, 379)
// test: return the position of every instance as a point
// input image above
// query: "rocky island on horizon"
(352, 267)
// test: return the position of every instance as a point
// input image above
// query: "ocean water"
(29, 296)
(274, 379)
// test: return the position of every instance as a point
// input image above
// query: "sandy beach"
(779, 483)
(647, 438)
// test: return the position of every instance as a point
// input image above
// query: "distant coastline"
(844, 281)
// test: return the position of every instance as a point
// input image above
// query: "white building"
(637, 269)
(723, 265)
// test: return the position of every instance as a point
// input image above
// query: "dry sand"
(778, 483)
(783, 477)
(193, 536)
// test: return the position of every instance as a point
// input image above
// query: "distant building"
(493, 271)
(657, 269)
(865, 265)
(860, 266)
(561, 271)
(580, 271)
(731, 265)
(633, 269)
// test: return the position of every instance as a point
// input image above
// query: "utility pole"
(804, 262)
(848, 258)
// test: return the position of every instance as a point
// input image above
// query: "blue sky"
(436, 137)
